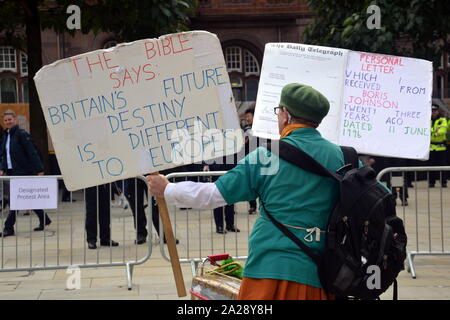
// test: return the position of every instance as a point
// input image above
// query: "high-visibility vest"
(448, 134)
(438, 134)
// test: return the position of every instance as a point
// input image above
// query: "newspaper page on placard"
(386, 109)
(379, 104)
(322, 68)
(139, 107)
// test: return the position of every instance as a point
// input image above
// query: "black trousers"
(135, 190)
(104, 213)
(437, 158)
(229, 216)
(11, 219)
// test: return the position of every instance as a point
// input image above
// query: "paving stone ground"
(62, 244)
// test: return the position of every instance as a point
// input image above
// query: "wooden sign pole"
(171, 246)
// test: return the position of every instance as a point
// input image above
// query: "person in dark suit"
(380, 163)
(98, 197)
(249, 147)
(134, 191)
(19, 157)
(224, 164)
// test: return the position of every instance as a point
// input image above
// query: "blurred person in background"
(19, 157)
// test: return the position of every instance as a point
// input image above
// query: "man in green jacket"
(301, 200)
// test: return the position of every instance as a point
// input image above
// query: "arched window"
(244, 70)
(13, 75)
(442, 78)
(8, 90)
(251, 65)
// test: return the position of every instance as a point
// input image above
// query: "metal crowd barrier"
(62, 244)
(425, 220)
(196, 229)
(420, 207)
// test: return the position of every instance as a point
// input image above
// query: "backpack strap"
(301, 159)
(350, 156)
(314, 256)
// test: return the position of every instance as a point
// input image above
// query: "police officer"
(437, 146)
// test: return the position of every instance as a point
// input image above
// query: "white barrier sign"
(33, 193)
(140, 107)
(379, 104)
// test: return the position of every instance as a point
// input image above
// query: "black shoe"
(220, 230)
(176, 241)
(252, 211)
(431, 185)
(7, 233)
(111, 243)
(140, 239)
(92, 245)
(26, 213)
(404, 203)
(41, 227)
(184, 209)
(233, 229)
(68, 200)
(444, 185)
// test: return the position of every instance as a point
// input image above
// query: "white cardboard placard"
(379, 104)
(140, 107)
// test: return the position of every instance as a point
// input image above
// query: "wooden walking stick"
(171, 246)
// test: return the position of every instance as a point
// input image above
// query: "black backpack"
(365, 245)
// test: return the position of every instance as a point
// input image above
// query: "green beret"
(304, 102)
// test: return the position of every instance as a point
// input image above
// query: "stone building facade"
(242, 26)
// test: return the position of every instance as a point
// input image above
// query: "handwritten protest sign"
(139, 107)
(387, 105)
(379, 104)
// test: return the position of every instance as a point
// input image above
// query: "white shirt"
(196, 195)
(8, 156)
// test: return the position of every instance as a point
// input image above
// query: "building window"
(236, 87)
(251, 65)
(448, 86)
(251, 89)
(244, 70)
(25, 98)
(23, 64)
(8, 90)
(233, 58)
(7, 59)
